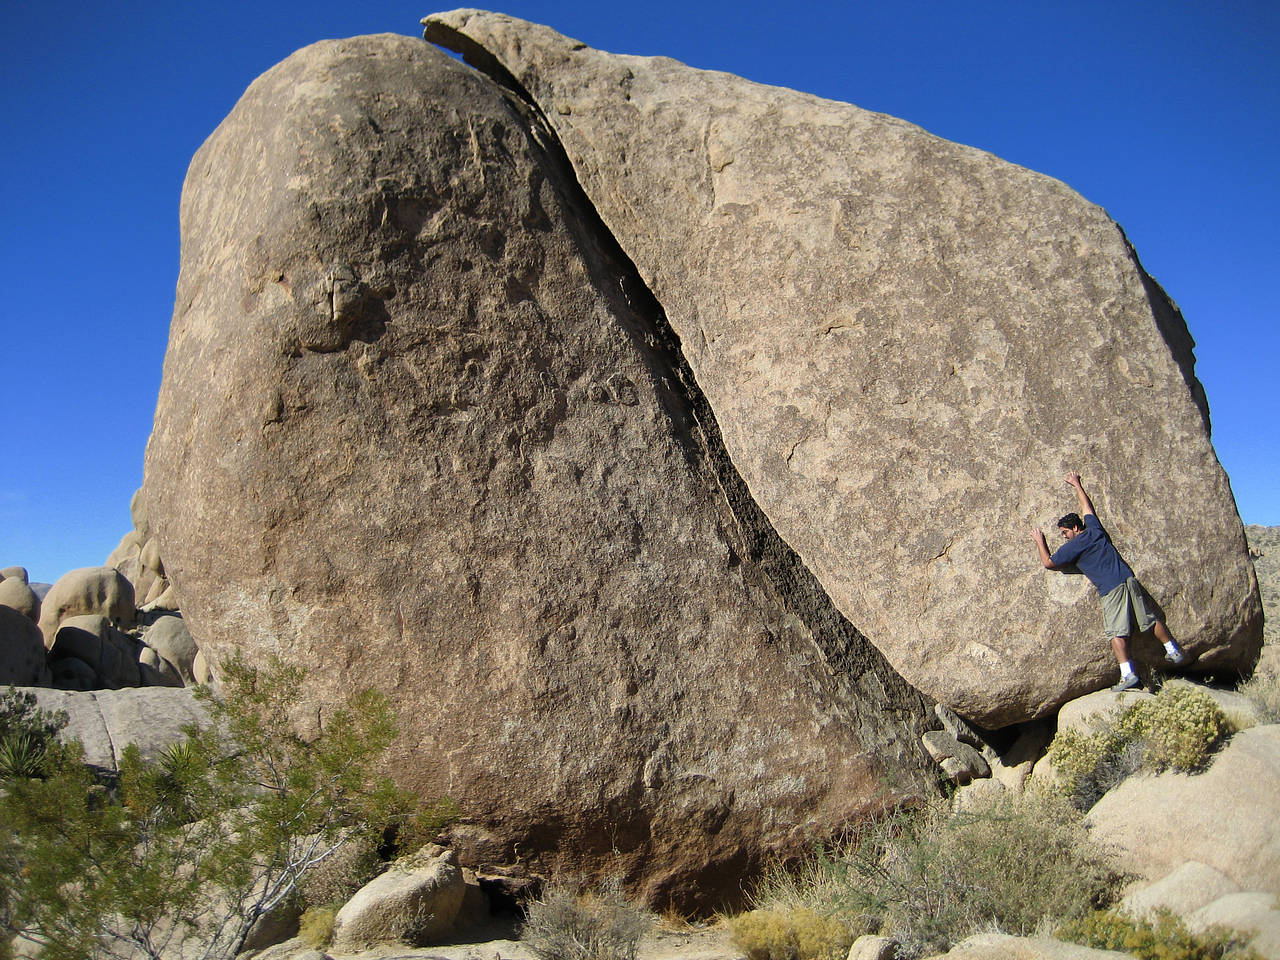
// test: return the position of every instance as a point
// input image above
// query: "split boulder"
(421, 429)
(874, 315)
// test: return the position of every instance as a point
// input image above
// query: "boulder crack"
(864, 677)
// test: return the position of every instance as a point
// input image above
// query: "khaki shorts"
(1123, 606)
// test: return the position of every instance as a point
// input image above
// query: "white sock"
(1170, 647)
(1126, 669)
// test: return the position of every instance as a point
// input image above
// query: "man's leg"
(1172, 652)
(1128, 679)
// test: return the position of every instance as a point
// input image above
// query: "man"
(1124, 604)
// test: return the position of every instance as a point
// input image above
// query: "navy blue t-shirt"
(1092, 552)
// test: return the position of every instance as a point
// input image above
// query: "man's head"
(1070, 525)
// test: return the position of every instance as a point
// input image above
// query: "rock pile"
(88, 634)
(137, 557)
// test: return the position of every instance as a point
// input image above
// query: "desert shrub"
(932, 877)
(200, 843)
(797, 933)
(315, 926)
(27, 734)
(1088, 765)
(1165, 937)
(1264, 693)
(1181, 726)
(1178, 728)
(565, 924)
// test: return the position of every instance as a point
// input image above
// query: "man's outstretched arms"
(1086, 505)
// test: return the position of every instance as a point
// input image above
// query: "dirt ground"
(663, 942)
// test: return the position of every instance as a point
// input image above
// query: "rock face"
(137, 557)
(107, 721)
(421, 428)
(906, 343)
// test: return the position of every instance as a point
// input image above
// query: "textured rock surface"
(1001, 946)
(421, 429)
(906, 342)
(92, 639)
(1183, 890)
(87, 591)
(1227, 818)
(107, 721)
(1252, 912)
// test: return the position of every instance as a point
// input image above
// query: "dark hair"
(1072, 521)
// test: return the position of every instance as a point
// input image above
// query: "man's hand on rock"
(1073, 479)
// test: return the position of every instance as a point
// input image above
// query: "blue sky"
(1166, 114)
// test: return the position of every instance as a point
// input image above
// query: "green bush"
(1181, 726)
(1163, 938)
(218, 831)
(932, 877)
(27, 734)
(1179, 729)
(565, 924)
(797, 933)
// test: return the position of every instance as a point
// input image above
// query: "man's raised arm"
(1086, 505)
(1045, 558)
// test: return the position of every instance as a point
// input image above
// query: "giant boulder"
(421, 428)
(906, 343)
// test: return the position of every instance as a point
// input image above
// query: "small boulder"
(156, 671)
(416, 902)
(873, 948)
(22, 653)
(16, 595)
(960, 761)
(1185, 890)
(100, 591)
(15, 573)
(171, 639)
(200, 670)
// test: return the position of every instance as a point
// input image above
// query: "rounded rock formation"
(88, 591)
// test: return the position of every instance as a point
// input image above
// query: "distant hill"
(1264, 544)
